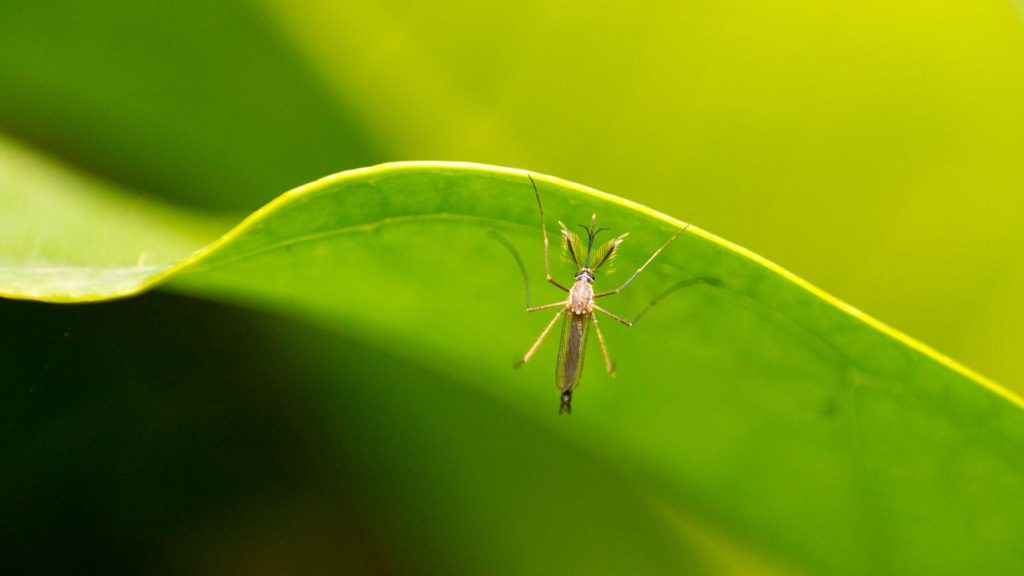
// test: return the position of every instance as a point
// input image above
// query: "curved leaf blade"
(787, 419)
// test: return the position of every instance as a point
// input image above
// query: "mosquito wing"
(573, 346)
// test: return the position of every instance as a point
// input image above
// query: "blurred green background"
(872, 148)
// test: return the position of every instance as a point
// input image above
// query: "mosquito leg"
(515, 254)
(615, 317)
(662, 296)
(522, 269)
(642, 266)
(546, 306)
(536, 344)
(544, 231)
(604, 348)
(673, 288)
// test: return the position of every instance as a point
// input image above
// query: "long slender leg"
(673, 288)
(615, 317)
(536, 344)
(544, 231)
(546, 306)
(522, 268)
(660, 297)
(642, 266)
(604, 348)
(515, 254)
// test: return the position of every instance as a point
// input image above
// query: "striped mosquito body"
(576, 321)
(577, 311)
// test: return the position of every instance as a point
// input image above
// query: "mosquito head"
(592, 232)
(566, 407)
(585, 274)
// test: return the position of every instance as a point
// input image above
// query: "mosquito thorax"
(581, 295)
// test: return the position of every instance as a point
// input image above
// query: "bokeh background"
(873, 148)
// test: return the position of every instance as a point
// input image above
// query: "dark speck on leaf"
(829, 408)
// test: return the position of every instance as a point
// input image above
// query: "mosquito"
(577, 311)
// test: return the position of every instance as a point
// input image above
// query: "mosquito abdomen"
(569, 369)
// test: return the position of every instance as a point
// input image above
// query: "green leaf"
(760, 415)
(68, 237)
